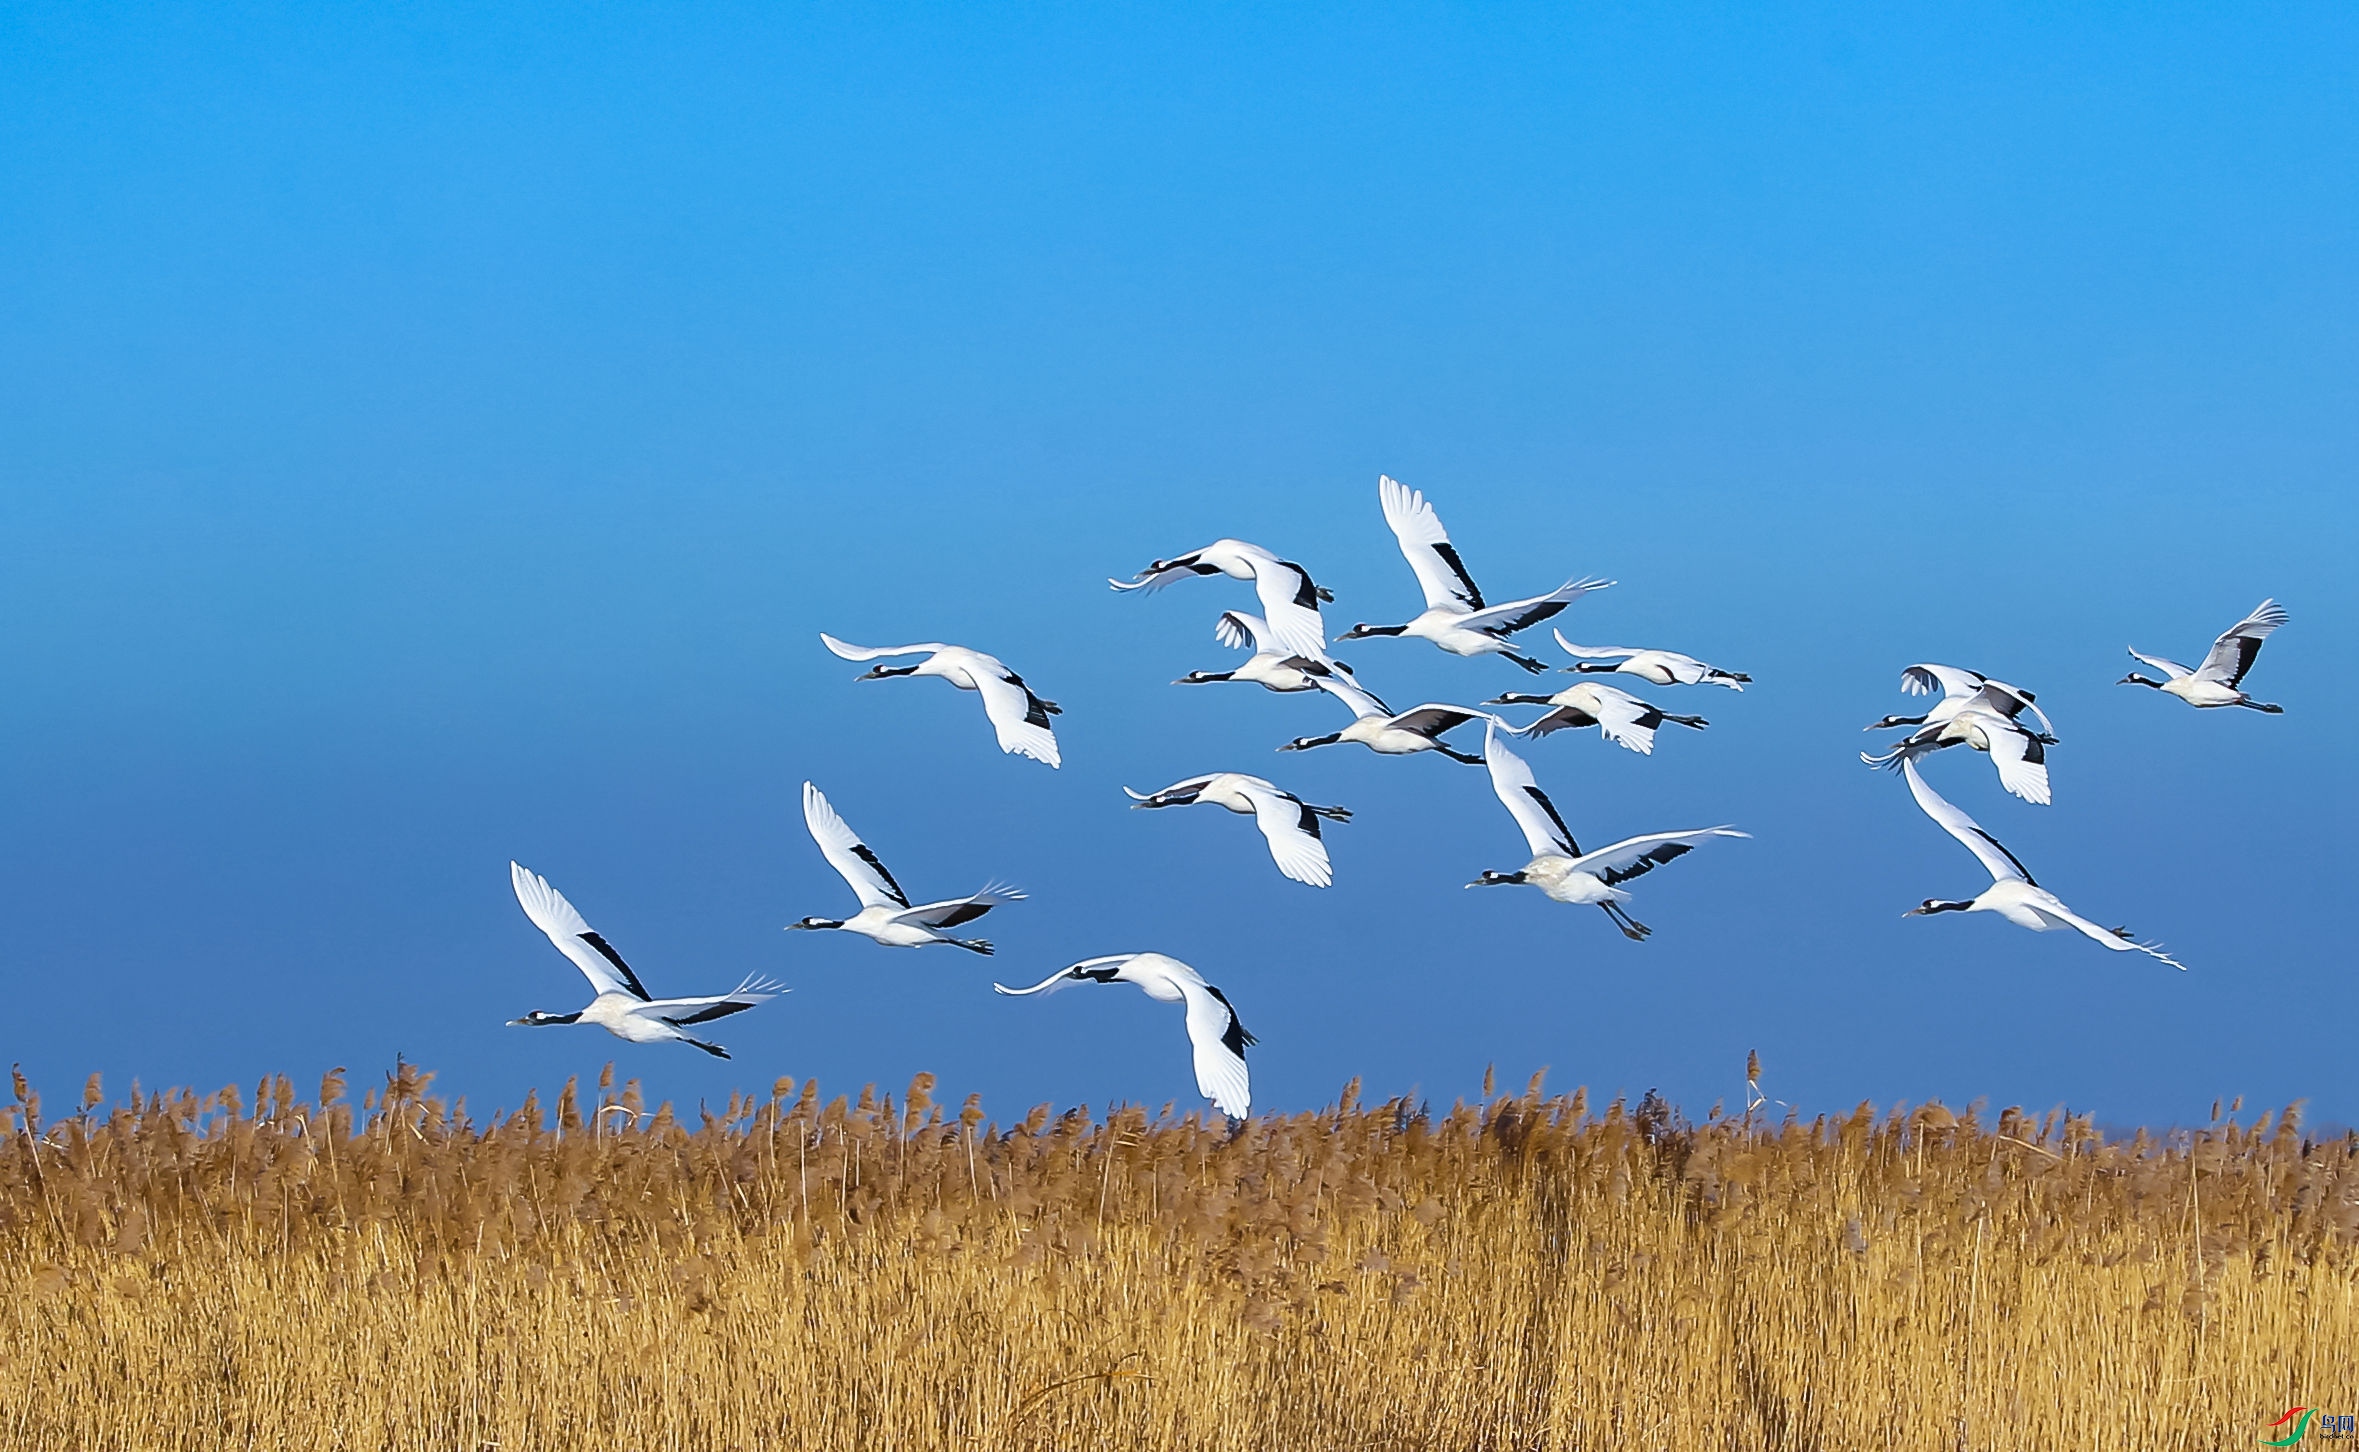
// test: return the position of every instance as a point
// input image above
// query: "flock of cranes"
(1290, 654)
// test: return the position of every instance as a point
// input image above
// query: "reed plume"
(198, 1271)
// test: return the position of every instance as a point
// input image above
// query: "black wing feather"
(1235, 1037)
(860, 850)
(1562, 831)
(1540, 611)
(707, 1015)
(606, 951)
(1466, 586)
(964, 913)
(1654, 858)
(2247, 648)
(1306, 594)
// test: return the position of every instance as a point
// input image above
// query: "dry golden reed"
(200, 1272)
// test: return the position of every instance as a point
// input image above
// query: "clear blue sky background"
(436, 434)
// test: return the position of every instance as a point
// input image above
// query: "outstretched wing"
(681, 1012)
(1426, 546)
(2232, 654)
(1624, 719)
(1020, 717)
(1519, 791)
(1292, 831)
(1988, 850)
(2117, 939)
(1089, 970)
(1638, 856)
(1556, 718)
(1362, 701)
(1505, 620)
(1238, 630)
(848, 855)
(1219, 1041)
(1178, 794)
(574, 937)
(1290, 606)
(872, 652)
(1432, 719)
(2022, 761)
(2170, 669)
(1997, 698)
(957, 911)
(1593, 652)
(1924, 680)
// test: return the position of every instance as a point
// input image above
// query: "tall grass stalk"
(186, 1271)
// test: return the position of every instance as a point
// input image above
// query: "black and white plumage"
(1618, 716)
(1377, 727)
(1017, 714)
(1272, 666)
(2012, 893)
(1290, 823)
(1662, 667)
(885, 914)
(623, 1007)
(1963, 690)
(1289, 598)
(1455, 617)
(1559, 868)
(2219, 681)
(1218, 1038)
(1978, 711)
(2019, 753)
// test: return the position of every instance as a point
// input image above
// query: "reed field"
(186, 1271)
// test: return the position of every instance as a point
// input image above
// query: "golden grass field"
(1530, 1272)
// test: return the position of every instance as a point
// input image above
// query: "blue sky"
(436, 437)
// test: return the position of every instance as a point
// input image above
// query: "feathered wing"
(1638, 856)
(957, 911)
(1153, 580)
(1953, 683)
(1624, 719)
(574, 937)
(1290, 606)
(1519, 791)
(1239, 630)
(1997, 698)
(1019, 717)
(1441, 574)
(1505, 620)
(1361, 701)
(1292, 831)
(1634, 730)
(1433, 718)
(2171, 669)
(848, 855)
(1219, 1041)
(2056, 912)
(1553, 720)
(2021, 760)
(2001, 864)
(681, 1012)
(873, 652)
(1062, 978)
(1593, 652)
(1178, 794)
(2232, 654)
